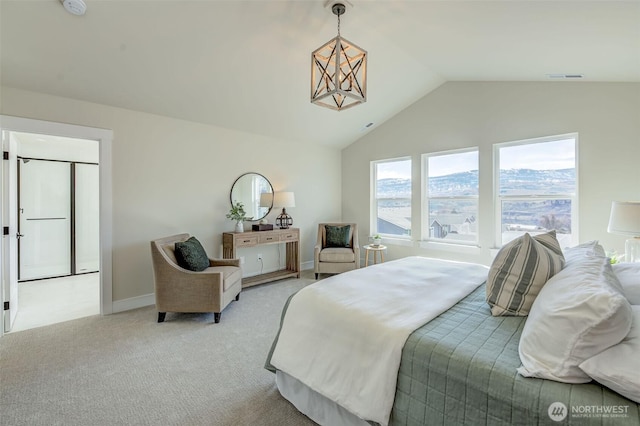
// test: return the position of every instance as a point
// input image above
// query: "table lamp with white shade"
(625, 220)
(284, 200)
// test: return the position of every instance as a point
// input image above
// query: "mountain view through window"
(537, 188)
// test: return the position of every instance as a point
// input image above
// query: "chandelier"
(338, 71)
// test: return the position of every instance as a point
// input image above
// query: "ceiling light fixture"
(338, 71)
(75, 7)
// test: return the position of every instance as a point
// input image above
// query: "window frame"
(425, 198)
(373, 207)
(498, 198)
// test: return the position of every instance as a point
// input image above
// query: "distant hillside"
(549, 214)
(537, 181)
(458, 184)
(394, 188)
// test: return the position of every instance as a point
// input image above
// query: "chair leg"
(161, 316)
(216, 317)
(237, 297)
(316, 276)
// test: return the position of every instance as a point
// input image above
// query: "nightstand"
(375, 249)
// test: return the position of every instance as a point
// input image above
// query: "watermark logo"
(557, 411)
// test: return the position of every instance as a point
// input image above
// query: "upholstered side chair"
(332, 258)
(181, 290)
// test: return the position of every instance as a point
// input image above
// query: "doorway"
(11, 234)
(58, 229)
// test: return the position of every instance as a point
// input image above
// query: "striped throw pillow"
(519, 271)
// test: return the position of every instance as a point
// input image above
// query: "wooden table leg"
(366, 257)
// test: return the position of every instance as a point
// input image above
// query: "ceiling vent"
(565, 76)
(366, 126)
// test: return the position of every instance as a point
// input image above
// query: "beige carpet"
(126, 369)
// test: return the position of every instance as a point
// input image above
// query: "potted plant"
(377, 239)
(238, 214)
(614, 257)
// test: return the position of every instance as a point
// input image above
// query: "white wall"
(457, 115)
(172, 176)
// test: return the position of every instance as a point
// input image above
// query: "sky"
(553, 155)
(442, 165)
(397, 170)
(540, 156)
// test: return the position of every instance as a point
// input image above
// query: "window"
(391, 197)
(451, 197)
(536, 188)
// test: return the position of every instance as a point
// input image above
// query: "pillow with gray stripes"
(519, 271)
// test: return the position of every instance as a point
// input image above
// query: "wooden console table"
(232, 241)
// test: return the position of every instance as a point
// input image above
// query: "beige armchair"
(181, 290)
(334, 260)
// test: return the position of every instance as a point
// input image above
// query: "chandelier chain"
(338, 25)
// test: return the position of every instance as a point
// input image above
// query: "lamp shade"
(266, 199)
(284, 199)
(625, 218)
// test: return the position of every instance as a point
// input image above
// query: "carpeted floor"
(126, 369)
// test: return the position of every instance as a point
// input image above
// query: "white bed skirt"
(315, 406)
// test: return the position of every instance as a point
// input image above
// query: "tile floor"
(56, 300)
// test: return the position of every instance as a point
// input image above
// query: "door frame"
(104, 138)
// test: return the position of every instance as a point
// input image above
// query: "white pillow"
(629, 276)
(590, 248)
(579, 312)
(618, 367)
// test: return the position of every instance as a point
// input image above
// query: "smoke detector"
(75, 7)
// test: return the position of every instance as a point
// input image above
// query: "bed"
(458, 368)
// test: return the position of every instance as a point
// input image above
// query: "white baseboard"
(134, 303)
(150, 299)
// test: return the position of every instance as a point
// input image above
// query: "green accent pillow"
(191, 255)
(520, 270)
(338, 236)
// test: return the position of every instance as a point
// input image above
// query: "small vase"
(239, 226)
(377, 241)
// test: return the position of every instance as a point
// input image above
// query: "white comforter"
(343, 336)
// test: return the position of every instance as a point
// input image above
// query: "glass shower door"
(87, 218)
(45, 219)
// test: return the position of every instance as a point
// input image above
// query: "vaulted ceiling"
(246, 65)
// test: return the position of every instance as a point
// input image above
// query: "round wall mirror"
(255, 193)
